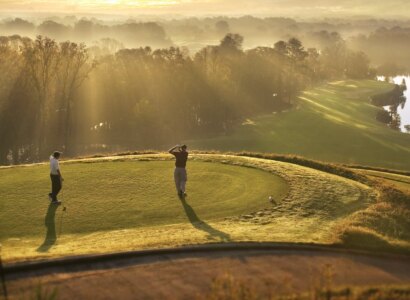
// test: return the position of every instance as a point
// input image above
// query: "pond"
(403, 110)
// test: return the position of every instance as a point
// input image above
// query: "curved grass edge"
(392, 206)
(21, 269)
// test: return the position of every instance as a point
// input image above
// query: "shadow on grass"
(51, 236)
(201, 225)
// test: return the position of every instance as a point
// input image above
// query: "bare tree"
(73, 69)
(42, 61)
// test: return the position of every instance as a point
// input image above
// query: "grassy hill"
(129, 202)
(334, 122)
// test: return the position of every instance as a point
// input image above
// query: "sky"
(292, 8)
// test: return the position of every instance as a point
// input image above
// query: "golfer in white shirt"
(56, 178)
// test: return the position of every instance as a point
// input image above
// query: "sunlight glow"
(124, 3)
(86, 6)
(288, 8)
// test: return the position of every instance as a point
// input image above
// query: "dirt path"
(186, 274)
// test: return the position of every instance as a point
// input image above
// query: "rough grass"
(128, 202)
(383, 225)
(333, 123)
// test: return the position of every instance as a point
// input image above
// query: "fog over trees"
(85, 85)
(65, 95)
(361, 34)
(393, 9)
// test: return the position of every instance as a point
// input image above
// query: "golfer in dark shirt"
(180, 175)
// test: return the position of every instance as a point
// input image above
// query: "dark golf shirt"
(181, 159)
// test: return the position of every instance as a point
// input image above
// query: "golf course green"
(334, 122)
(129, 202)
(104, 196)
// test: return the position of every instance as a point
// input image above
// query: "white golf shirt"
(54, 166)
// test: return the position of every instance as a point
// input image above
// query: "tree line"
(62, 95)
(132, 33)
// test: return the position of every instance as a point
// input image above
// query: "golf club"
(62, 214)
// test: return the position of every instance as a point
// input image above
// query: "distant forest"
(102, 96)
(386, 42)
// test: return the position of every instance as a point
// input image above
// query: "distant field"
(400, 182)
(334, 123)
(123, 203)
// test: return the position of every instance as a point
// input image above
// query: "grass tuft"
(353, 236)
(384, 225)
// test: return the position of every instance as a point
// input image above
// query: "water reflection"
(400, 112)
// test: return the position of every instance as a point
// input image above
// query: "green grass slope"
(124, 203)
(400, 182)
(334, 123)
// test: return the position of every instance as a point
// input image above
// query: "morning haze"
(209, 150)
(209, 55)
(292, 8)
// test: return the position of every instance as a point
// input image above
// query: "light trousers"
(180, 178)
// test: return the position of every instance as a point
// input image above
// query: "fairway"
(401, 182)
(334, 123)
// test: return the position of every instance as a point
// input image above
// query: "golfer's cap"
(183, 146)
(57, 153)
